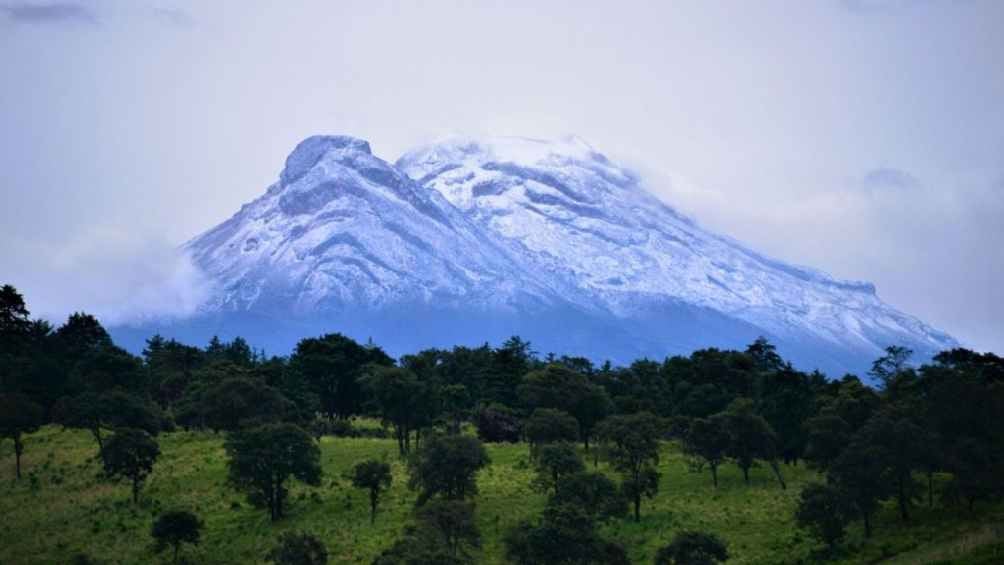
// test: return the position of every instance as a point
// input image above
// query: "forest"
(218, 453)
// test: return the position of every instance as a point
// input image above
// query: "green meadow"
(63, 506)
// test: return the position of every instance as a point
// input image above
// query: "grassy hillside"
(62, 506)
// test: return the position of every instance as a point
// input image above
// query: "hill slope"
(70, 509)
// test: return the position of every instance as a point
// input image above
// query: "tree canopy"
(263, 459)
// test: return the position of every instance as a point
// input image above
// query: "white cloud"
(120, 277)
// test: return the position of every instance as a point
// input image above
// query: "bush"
(171, 529)
(825, 512)
(298, 549)
(693, 548)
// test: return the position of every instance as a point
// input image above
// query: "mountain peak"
(309, 151)
(489, 237)
(497, 149)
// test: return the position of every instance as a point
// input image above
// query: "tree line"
(745, 408)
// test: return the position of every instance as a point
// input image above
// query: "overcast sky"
(861, 137)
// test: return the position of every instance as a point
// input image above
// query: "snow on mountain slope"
(466, 241)
(576, 210)
(342, 228)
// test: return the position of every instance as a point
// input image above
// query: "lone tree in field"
(554, 462)
(131, 454)
(298, 549)
(263, 459)
(174, 528)
(19, 416)
(633, 449)
(708, 440)
(693, 548)
(375, 477)
(825, 512)
(446, 465)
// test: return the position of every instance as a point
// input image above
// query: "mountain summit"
(472, 240)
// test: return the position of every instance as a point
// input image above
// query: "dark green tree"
(592, 406)
(902, 448)
(445, 532)
(509, 363)
(14, 315)
(238, 402)
(751, 438)
(456, 400)
(81, 335)
(962, 398)
(828, 435)
(693, 548)
(174, 528)
(114, 409)
(446, 466)
(633, 448)
(564, 535)
(497, 423)
(263, 459)
(171, 367)
(889, 368)
(400, 399)
(333, 365)
(825, 512)
(560, 388)
(860, 473)
(19, 416)
(130, 453)
(451, 523)
(30, 365)
(708, 440)
(298, 548)
(110, 368)
(851, 400)
(593, 492)
(375, 477)
(764, 354)
(786, 398)
(83, 412)
(547, 425)
(15, 328)
(554, 462)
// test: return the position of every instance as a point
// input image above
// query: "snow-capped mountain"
(575, 210)
(466, 241)
(343, 228)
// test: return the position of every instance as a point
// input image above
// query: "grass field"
(62, 506)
